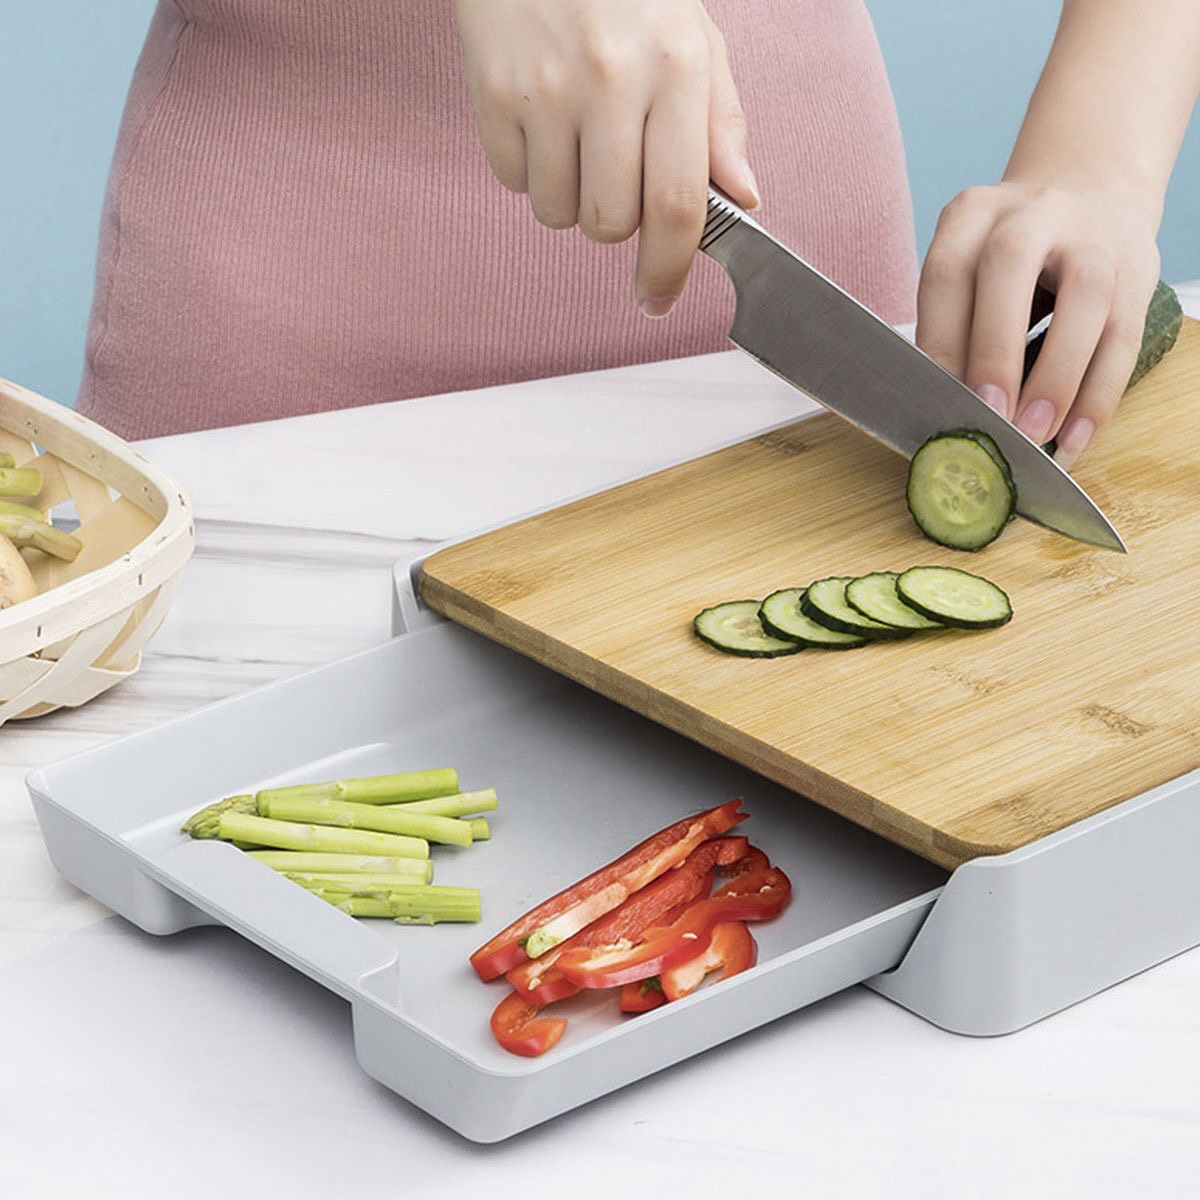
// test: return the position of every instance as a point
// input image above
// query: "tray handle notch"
(271, 911)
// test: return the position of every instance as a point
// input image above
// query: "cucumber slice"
(989, 444)
(875, 596)
(954, 597)
(957, 493)
(781, 615)
(825, 602)
(735, 628)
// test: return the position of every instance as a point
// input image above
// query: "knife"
(808, 331)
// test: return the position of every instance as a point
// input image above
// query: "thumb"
(728, 161)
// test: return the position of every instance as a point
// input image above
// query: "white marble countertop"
(198, 1065)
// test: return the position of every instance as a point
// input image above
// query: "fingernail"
(1035, 421)
(1073, 440)
(749, 182)
(658, 306)
(994, 397)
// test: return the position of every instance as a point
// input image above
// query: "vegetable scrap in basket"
(24, 527)
(362, 845)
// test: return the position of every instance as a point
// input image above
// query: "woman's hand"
(612, 116)
(1094, 248)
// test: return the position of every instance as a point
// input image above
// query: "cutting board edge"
(868, 812)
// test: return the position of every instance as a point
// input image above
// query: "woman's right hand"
(613, 116)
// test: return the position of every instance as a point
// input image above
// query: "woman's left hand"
(1094, 248)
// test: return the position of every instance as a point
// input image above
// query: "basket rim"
(50, 616)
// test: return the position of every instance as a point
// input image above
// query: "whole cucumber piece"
(1164, 319)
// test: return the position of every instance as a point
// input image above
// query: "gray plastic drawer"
(580, 780)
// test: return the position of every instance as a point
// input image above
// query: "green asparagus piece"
(21, 510)
(374, 789)
(385, 818)
(356, 906)
(433, 893)
(23, 481)
(410, 906)
(289, 835)
(203, 824)
(459, 805)
(344, 864)
(361, 881)
(408, 909)
(22, 531)
(479, 829)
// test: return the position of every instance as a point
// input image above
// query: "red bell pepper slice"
(558, 918)
(518, 1028)
(642, 996)
(655, 904)
(753, 860)
(732, 947)
(755, 896)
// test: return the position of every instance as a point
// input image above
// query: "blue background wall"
(962, 71)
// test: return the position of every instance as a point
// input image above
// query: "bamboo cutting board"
(953, 744)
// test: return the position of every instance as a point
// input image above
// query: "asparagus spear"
(407, 906)
(357, 906)
(203, 824)
(428, 893)
(479, 829)
(22, 531)
(385, 818)
(362, 881)
(459, 805)
(289, 835)
(410, 909)
(21, 481)
(344, 864)
(21, 510)
(374, 789)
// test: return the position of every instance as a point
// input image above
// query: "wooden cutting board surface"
(952, 744)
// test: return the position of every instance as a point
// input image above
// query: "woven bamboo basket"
(86, 628)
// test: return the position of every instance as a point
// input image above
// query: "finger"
(1102, 387)
(552, 166)
(728, 156)
(1010, 261)
(1081, 312)
(674, 191)
(610, 170)
(504, 144)
(946, 291)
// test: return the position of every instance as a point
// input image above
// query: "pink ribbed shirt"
(299, 215)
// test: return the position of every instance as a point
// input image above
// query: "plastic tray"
(580, 780)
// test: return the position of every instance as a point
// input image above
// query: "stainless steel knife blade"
(805, 329)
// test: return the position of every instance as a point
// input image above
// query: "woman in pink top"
(301, 215)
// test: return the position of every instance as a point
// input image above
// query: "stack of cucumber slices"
(845, 612)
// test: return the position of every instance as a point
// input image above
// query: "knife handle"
(722, 216)
(1042, 307)
(734, 238)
